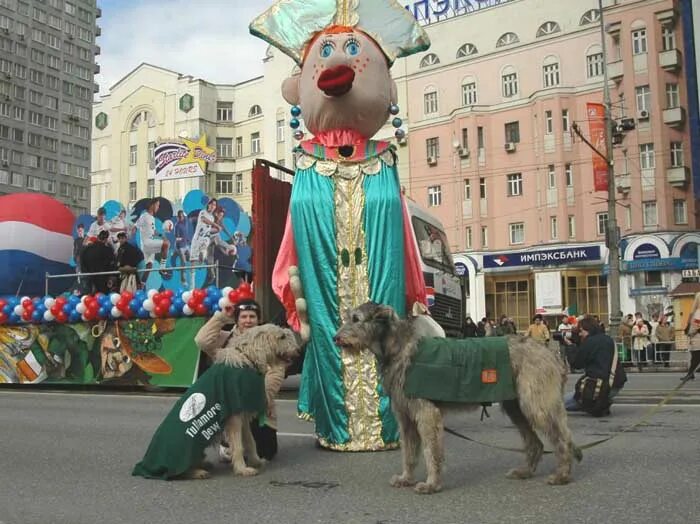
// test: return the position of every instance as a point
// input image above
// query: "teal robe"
(347, 220)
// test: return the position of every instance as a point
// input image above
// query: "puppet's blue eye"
(326, 50)
(352, 47)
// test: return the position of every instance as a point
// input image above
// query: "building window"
(643, 94)
(469, 97)
(677, 154)
(639, 41)
(572, 226)
(16, 180)
(482, 187)
(132, 191)
(432, 146)
(649, 214)
(553, 228)
(668, 38)
(515, 184)
(239, 147)
(151, 154)
(224, 184)
(673, 97)
(224, 148)
(548, 28)
(512, 132)
(430, 103)
(484, 236)
(590, 17)
(548, 123)
(255, 143)
(281, 127)
(569, 174)
(652, 279)
(507, 39)
(565, 120)
(480, 137)
(224, 111)
(601, 223)
(594, 65)
(680, 211)
(551, 75)
(647, 160)
(466, 50)
(517, 232)
(467, 189)
(551, 177)
(255, 110)
(465, 138)
(151, 188)
(430, 59)
(133, 155)
(434, 196)
(510, 84)
(468, 238)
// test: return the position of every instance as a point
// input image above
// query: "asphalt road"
(68, 459)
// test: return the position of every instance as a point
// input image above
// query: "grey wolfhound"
(539, 378)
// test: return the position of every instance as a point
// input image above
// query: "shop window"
(586, 293)
(652, 278)
(511, 298)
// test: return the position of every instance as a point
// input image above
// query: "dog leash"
(642, 421)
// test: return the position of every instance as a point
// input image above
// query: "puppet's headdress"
(289, 25)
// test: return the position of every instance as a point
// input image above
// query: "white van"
(445, 297)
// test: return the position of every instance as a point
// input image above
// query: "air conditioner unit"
(510, 147)
(432, 160)
(643, 114)
(463, 152)
(6, 30)
(5, 163)
(8, 75)
(70, 36)
(21, 37)
(7, 97)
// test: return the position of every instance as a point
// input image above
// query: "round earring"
(295, 122)
(397, 122)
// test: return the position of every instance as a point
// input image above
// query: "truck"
(272, 189)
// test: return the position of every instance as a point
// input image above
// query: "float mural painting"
(40, 235)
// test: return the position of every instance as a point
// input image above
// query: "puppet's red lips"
(336, 81)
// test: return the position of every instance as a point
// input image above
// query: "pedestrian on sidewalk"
(665, 339)
(640, 341)
(693, 332)
(538, 330)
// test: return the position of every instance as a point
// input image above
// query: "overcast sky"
(208, 39)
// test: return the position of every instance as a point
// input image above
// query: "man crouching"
(223, 400)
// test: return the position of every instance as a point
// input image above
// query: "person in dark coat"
(128, 257)
(98, 257)
(595, 356)
(469, 329)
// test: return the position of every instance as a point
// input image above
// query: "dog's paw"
(256, 462)
(199, 474)
(246, 472)
(558, 480)
(424, 488)
(400, 481)
(519, 473)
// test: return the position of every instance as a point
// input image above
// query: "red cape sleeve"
(286, 258)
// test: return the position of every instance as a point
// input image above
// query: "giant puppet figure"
(348, 230)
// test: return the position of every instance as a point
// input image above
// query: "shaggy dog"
(265, 349)
(539, 382)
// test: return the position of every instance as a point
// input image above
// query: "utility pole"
(612, 236)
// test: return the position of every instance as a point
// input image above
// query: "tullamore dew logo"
(192, 407)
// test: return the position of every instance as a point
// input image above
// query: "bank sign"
(546, 257)
(429, 11)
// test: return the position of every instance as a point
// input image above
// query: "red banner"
(596, 126)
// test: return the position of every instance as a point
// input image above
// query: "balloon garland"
(121, 306)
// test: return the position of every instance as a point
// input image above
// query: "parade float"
(53, 329)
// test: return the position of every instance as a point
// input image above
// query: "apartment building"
(47, 68)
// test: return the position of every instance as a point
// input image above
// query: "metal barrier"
(661, 353)
(217, 266)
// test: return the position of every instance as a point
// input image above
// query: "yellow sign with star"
(183, 158)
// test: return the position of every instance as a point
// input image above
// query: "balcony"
(670, 60)
(97, 69)
(674, 117)
(98, 50)
(678, 176)
(616, 70)
(98, 13)
(623, 183)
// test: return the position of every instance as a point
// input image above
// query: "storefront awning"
(686, 288)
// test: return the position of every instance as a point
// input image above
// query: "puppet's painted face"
(344, 84)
